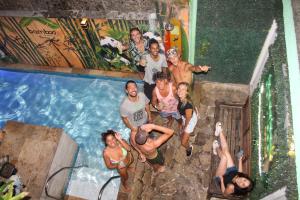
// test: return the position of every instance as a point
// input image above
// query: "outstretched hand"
(204, 68)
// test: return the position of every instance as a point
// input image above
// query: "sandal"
(215, 146)
(218, 129)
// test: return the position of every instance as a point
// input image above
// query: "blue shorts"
(175, 115)
(217, 179)
(231, 169)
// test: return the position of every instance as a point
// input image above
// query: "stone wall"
(138, 9)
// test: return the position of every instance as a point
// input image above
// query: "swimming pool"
(83, 106)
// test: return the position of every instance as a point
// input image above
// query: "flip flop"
(218, 129)
(215, 146)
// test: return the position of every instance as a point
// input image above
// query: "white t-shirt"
(135, 111)
(154, 66)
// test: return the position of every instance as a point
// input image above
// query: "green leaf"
(25, 21)
(47, 22)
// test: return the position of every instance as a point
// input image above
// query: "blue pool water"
(83, 107)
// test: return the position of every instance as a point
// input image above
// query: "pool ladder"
(75, 167)
(103, 187)
(54, 174)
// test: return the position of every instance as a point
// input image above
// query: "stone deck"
(37, 152)
(186, 178)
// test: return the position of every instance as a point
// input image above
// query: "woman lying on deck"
(231, 180)
(117, 155)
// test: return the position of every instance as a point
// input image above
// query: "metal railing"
(103, 187)
(54, 174)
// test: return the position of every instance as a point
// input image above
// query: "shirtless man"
(182, 71)
(149, 147)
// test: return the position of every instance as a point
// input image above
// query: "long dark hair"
(243, 191)
(106, 134)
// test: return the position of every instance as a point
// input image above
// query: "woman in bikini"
(117, 155)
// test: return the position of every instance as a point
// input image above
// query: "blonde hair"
(188, 87)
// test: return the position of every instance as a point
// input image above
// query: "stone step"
(37, 152)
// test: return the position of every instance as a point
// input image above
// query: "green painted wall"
(230, 35)
(277, 134)
(294, 75)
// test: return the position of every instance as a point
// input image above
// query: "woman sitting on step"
(117, 155)
(231, 180)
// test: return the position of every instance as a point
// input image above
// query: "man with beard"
(153, 62)
(134, 110)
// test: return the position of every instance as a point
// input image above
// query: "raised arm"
(197, 68)
(122, 141)
(166, 133)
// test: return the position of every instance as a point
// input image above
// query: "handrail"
(103, 187)
(55, 173)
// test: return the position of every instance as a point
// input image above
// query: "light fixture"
(84, 23)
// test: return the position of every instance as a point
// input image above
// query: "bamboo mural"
(62, 42)
(16, 41)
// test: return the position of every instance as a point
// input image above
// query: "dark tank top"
(227, 178)
(182, 107)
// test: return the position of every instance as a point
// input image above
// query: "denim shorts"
(231, 169)
(175, 115)
(217, 179)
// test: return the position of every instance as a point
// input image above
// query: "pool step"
(37, 152)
